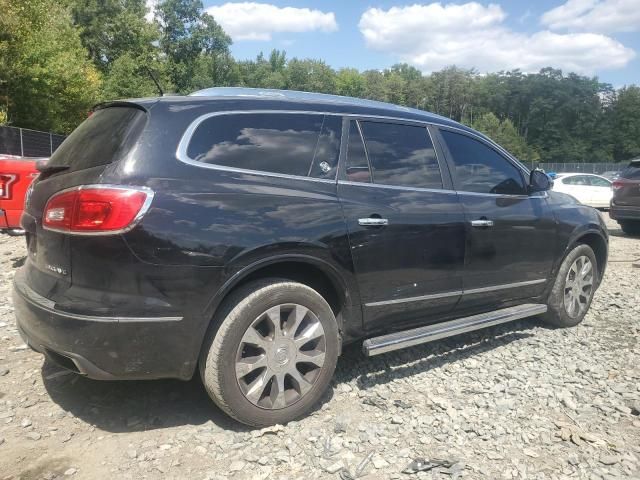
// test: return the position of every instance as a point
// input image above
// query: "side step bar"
(416, 336)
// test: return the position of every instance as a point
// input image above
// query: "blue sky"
(592, 37)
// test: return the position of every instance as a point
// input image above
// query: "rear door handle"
(482, 223)
(373, 222)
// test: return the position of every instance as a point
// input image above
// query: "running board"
(416, 336)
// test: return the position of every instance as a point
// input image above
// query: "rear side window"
(401, 155)
(357, 163)
(481, 169)
(599, 182)
(102, 138)
(292, 144)
(632, 172)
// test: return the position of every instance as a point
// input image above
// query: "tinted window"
(599, 182)
(292, 144)
(100, 139)
(357, 164)
(632, 172)
(576, 180)
(479, 168)
(401, 155)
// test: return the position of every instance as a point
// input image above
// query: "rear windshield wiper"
(42, 167)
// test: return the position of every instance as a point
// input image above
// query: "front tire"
(271, 352)
(630, 227)
(574, 287)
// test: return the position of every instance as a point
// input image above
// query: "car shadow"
(369, 372)
(130, 406)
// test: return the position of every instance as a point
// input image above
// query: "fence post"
(21, 145)
(50, 144)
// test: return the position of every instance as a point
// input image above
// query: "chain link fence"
(28, 143)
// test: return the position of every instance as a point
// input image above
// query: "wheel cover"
(578, 287)
(280, 356)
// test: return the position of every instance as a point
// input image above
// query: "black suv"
(625, 205)
(251, 234)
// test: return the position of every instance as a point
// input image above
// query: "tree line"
(60, 57)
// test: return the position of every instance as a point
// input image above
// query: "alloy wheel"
(280, 356)
(578, 287)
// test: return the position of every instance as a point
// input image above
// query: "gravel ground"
(515, 401)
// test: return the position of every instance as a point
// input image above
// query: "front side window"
(292, 144)
(481, 169)
(401, 155)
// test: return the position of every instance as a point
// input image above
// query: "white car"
(589, 189)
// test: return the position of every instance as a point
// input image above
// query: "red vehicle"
(16, 174)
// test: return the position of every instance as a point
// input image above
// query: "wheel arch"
(595, 238)
(308, 270)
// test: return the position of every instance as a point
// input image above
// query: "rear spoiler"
(124, 103)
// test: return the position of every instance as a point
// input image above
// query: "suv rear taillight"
(618, 184)
(96, 209)
(6, 180)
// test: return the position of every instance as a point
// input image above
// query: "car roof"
(578, 174)
(255, 98)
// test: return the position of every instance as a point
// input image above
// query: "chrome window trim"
(397, 187)
(145, 207)
(454, 293)
(181, 151)
(183, 145)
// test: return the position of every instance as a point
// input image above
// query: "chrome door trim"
(434, 296)
(505, 286)
(453, 293)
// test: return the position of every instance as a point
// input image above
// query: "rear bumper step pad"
(416, 336)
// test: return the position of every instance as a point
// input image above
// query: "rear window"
(293, 144)
(100, 139)
(632, 172)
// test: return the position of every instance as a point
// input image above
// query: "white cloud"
(258, 21)
(435, 35)
(604, 16)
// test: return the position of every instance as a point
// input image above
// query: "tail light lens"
(95, 209)
(618, 184)
(6, 180)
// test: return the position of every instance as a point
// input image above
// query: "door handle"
(373, 222)
(482, 223)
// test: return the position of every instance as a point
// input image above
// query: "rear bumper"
(102, 347)
(618, 212)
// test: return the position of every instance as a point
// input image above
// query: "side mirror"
(539, 181)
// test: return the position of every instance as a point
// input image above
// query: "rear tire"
(270, 352)
(573, 289)
(630, 227)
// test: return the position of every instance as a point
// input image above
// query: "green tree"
(112, 28)
(505, 134)
(50, 82)
(186, 34)
(626, 114)
(350, 82)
